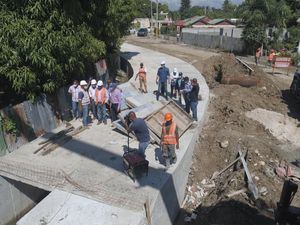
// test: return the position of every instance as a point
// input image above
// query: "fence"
(34, 119)
(225, 43)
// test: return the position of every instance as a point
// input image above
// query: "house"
(141, 22)
(192, 22)
(220, 23)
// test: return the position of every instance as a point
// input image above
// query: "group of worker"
(180, 87)
(97, 98)
(271, 55)
(169, 136)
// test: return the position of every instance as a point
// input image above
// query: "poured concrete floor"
(90, 165)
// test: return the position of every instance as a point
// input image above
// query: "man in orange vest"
(271, 57)
(169, 140)
(142, 77)
(101, 98)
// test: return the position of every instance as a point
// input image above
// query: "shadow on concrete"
(114, 161)
(129, 55)
(292, 102)
(229, 212)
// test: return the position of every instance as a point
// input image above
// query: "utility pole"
(157, 25)
(151, 21)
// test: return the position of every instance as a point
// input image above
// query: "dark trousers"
(173, 91)
(114, 111)
(162, 89)
(187, 103)
(93, 109)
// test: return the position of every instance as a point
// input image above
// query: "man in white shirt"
(92, 91)
(74, 90)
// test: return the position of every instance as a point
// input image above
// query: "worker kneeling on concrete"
(169, 140)
(141, 131)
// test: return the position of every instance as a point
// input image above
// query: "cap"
(100, 83)
(93, 81)
(83, 82)
(163, 63)
(168, 117)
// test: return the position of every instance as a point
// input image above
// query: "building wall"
(16, 199)
(227, 31)
(225, 43)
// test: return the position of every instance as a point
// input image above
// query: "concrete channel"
(85, 177)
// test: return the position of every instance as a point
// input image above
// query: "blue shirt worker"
(141, 131)
(162, 79)
(84, 102)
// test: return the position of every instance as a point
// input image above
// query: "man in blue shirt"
(162, 79)
(141, 131)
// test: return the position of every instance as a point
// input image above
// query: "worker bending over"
(169, 140)
(141, 131)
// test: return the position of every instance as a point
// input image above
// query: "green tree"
(260, 14)
(185, 8)
(45, 44)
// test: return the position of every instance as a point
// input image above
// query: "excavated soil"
(228, 127)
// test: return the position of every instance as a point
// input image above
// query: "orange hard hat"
(168, 117)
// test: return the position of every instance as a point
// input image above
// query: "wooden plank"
(182, 119)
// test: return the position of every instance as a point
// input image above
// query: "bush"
(10, 126)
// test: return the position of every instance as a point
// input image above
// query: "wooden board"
(181, 118)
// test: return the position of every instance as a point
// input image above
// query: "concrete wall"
(227, 31)
(225, 43)
(16, 199)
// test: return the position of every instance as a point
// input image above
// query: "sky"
(175, 4)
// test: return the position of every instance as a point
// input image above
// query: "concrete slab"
(70, 209)
(90, 165)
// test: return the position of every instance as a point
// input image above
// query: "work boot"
(105, 122)
(99, 122)
(167, 163)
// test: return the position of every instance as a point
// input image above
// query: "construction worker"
(186, 88)
(179, 81)
(174, 77)
(141, 131)
(169, 140)
(101, 98)
(92, 90)
(194, 98)
(258, 54)
(163, 77)
(271, 57)
(84, 102)
(142, 74)
(115, 98)
(74, 90)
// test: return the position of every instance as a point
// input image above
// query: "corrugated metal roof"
(217, 21)
(191, 21)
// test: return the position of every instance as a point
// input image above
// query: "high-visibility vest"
(170, 138)
(142, 72)
(103, 95)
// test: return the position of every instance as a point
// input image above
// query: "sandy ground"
(261, 137)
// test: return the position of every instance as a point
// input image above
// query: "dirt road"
(228, 125)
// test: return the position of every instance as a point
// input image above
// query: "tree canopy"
(46, 43)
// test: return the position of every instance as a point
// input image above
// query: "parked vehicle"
(143, 32)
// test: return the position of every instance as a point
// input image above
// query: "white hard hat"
(163, 63)
(83, 82)
(100, 83)
(175, 70)
(93, 81)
